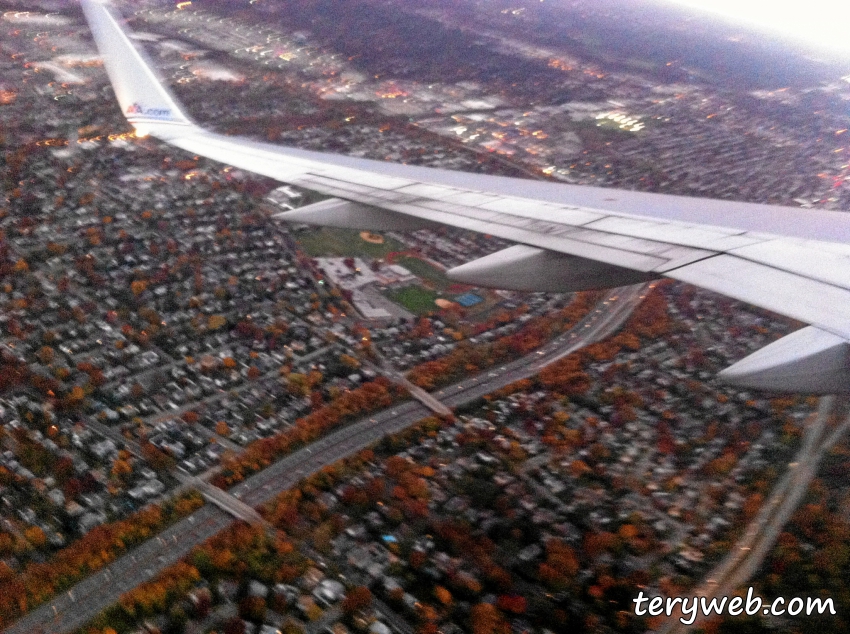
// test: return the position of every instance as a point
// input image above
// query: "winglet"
(147, 104)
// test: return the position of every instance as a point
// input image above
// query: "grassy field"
(416, 299)
(330, 242)
(425, 272)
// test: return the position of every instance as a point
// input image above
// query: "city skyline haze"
(820, 23)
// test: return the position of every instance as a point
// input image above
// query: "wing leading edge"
(619, 239)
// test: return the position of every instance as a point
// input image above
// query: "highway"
(604, 320)
(746, 556)
(72, 609)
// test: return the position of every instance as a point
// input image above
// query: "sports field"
(416, 299)
(342, 243)
(433, 276)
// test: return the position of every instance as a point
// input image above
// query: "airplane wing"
(793, 262)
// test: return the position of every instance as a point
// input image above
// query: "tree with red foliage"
(514, 603)
(234, 625)
(72, 488)
(417, 559)
(253, 609)
(358, 598)
(201, 603)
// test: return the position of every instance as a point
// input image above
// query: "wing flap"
(434, 192)
(783, 292)
(801, 257)
(701, 237)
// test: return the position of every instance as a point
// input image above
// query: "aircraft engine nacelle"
(344, 214)
(808, 361)
(525, 268)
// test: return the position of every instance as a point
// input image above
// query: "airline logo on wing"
(150, 113)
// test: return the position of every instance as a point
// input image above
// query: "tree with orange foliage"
(579, 468)
(722, 464)
(35, 536)
(38, 581)
(158, 460)
(368, 397)
(566, 376)
(138, 287)
(751, 505)
(414, 487)
(651, 319)
(561, 565)
(46, 355)
(628, 340)
(349, 361)
(7, 545)
(422, 330)
(121, 469)
(486, 619)
(216, 321)
(395, 466)
(296, 384)
(597, 543)
(443, 595)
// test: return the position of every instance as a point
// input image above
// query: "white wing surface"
(793, 262)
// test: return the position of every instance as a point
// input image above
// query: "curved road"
(748, 553)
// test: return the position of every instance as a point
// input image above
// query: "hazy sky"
(825, 23)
